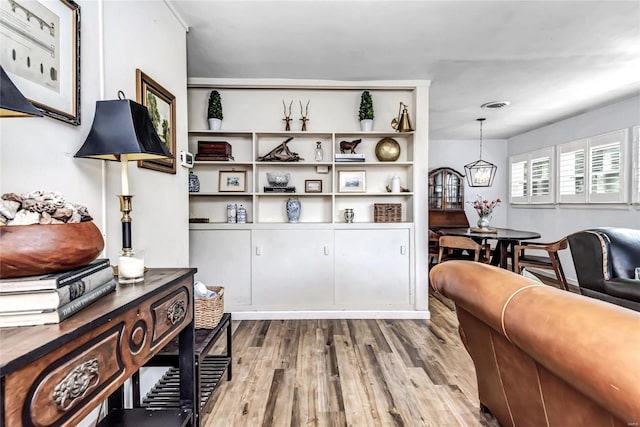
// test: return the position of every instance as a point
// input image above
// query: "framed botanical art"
(232, 181)
(313, 186)
(351, 181)
(41, 54)
(162, 109)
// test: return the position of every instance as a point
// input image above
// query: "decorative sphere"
(387, 150)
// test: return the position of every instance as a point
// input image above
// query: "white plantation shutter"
(572, 172)
(541, 177)
(607, 168)
(518, 180)
(532, 177)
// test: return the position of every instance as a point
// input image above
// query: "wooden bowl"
(29, 250)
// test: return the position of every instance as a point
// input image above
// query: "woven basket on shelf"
(209, 311)
(387, 212)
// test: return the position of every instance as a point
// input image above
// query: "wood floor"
(350, 373)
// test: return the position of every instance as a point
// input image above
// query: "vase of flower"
(484, 209)
(483, 222)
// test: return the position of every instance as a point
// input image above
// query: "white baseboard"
(328, 314)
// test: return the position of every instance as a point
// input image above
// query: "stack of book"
(279, 189)
(39, 300)
(349, 157)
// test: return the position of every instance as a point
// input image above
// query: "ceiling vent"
(494, 105)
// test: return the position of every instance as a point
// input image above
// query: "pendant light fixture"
(480, 173)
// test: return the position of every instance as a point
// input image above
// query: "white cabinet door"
(223, 258)
(292, 269)
(372, 269)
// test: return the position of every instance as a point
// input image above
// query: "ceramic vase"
(293, 210)
(483, 221)
(215, 124)
(194, 183)
(366, 125)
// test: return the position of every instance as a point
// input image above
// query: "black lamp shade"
(12, 102)
(121, 126)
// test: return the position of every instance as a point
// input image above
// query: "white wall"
(557, 221)
(37, 153)
(457, 153)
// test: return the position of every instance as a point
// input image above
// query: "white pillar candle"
(125, 174)
(130, 267)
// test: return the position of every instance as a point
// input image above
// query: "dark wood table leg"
(186, 364)
(135, 386)
(229, 352)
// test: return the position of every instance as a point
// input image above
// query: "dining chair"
(523, 257)
(462, 248)
(434, 247)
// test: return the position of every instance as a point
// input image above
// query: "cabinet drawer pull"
(326, 250)
(76, 383)
(403, 250)
(176, 312)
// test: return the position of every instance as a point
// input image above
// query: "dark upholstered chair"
(605, 260)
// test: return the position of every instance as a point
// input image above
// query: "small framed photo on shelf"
(351, 181)
(313, 186)
(232, 181)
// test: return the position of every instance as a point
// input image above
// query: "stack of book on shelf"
(349, 157)
(39, 300)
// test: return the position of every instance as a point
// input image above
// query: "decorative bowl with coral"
(278, 179)
(41, 233)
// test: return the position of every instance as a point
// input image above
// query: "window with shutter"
(606, 168)
(518, 180)
(532, 177)
(571, 172)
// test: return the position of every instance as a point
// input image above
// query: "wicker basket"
(209, 311)
(387, 212)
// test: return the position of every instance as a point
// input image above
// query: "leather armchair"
(605, 260)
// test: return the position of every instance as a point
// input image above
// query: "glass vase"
(484, 221)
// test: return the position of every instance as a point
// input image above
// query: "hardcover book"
(51, 281)
(40, 317)
(51, 299)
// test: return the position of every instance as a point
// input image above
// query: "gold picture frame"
(313, 186)
(162, 109)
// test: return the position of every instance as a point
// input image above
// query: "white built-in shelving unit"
(320, 266)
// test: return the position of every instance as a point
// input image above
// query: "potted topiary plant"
(366, 111)
(215, 110)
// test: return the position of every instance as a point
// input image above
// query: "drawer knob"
(176, 312)
(76, 383)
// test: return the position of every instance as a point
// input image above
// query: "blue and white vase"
(293, 210)
(194, 183)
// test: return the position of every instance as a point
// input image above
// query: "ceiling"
(550, 59)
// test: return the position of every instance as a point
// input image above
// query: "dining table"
(506, 239)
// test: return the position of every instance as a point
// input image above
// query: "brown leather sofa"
(544, 357)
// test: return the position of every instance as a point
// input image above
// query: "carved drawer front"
(74, 379)
(169, 313)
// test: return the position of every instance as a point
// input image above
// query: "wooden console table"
(57, 374)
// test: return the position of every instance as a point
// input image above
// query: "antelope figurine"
(304, 115)
(287, 116)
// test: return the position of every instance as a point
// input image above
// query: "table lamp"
(122, 131)
(12, 102)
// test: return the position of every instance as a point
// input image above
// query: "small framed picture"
(313, 186)
(351, 181)
(232, 181)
